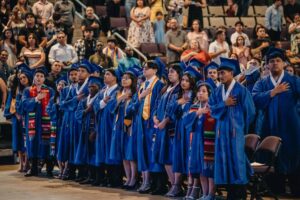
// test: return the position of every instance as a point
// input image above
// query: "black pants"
(69, 33)
(236, 192)
(274, 35)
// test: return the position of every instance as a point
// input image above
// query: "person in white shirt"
(219, 48)
(43, 10)
(63, 52)
(239, 25)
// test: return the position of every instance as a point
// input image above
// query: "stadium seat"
(162, 48)
(122, 11)
(101, 11)
(216, 21)
(260, 10)
(118, 22)
(251, 11)
(248, 21)
(260, 20)
(249, 32)
(230, 21)
(216, 10)
(206, 22)
(205, 12)
(150, 49)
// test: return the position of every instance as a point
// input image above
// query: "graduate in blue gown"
(110, 169)
(211, 72)
(233, 108)
(164, 126)
(68, 105)
(86, 151)
(13, 111)
(35, 99)
(123, 142)
(277, 96)
(56, 115)
(181, 139)
(147, 96)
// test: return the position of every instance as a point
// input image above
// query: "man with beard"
(128, 61)
(99, 58)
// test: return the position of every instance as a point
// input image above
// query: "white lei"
(275, 83)
(226, 95)
(78, 91)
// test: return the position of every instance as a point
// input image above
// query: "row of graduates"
(182, 127)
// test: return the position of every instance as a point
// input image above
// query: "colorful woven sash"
(46, 126)
(209, 138)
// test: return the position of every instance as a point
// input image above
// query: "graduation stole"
(45, 117)
(53, 138)
(147, 102)
(209, 137)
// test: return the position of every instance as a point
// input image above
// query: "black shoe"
(31, 173)
(145, 190)
(159, 191)
(132, 187)
(79, 179)
(86, 181)
(49, 174)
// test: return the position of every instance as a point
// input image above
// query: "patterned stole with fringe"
(46, 125)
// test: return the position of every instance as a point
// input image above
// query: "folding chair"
(217, 21)
(122, 11)
(101, 11)
(266, 153)
(260, 10)
(230, 21)
(248, 21)
(251, 143)
(216, 10)
(118, 22)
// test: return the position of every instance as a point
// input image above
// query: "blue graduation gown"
(181, 138)
(163, 146)
(251, 80)
(145, 133)
(86, 151)
(17, 133)
(53, 112)
(121, 134)
(36, 147)
(281, 119)
(232, 123)
(104, 121)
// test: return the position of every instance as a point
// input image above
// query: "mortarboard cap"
(42, 70)
(96, 80)
(63, 79)
(195, 63)
(274, 53)
(211, 65)
(135, 70)
(230, 64)
(194, 73)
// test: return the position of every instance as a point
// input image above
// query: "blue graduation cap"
(194, 73)
(117, 73)
(274, 53)
(74, 66)
(42, 70)
(230, 64)
(211, 65)
(195, 63)
(199, 84)
(23, 66)
(179, 65)
(27, 73)
(63, 79)
(211, 83)
(161, 66)
(86, 64)
(96, 68)
(134, 70)
(96, 80)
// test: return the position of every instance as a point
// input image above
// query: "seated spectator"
(99, 58)
(261, 43)
(65, 9)
(43, 10)
(140, 29)
(290, 9)
(63, 52)
(32, 27)
(175, 41)
(113, 51)
(239, 32)
(219, 48)
(33, 54)
(195, 52)
(128, 61)
(242, 51)
(290, 69)
(86, 46)
(9, 44)
(91, 21)
(198, 34)
(294, 30)
(4, 69)
(4, 14)
(23, 7)
(159, 28)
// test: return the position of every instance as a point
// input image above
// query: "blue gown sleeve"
(7, 113)
(51, 109)
(29, 103)
(80, 111)
(19, 104)
(189, 120)
(132, 106)
(249, 109)
(261, 98)
(218, 108)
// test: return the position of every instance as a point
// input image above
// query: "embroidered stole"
(45, 117)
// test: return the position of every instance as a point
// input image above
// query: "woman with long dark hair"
(14, 111)
(4, 14)
(9, 44)
(198, 34)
